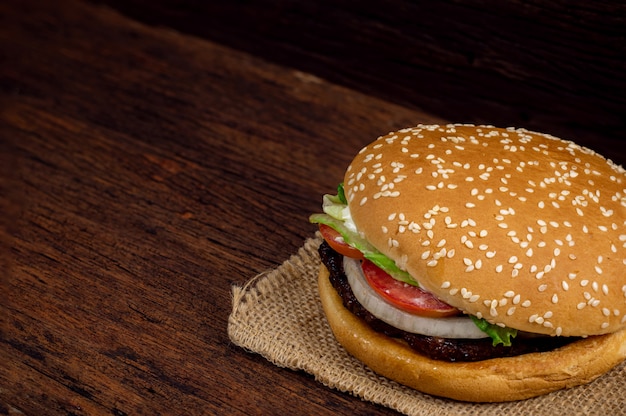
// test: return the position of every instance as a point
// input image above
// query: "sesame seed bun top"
(521, 228)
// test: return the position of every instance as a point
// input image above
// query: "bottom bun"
(494, 380)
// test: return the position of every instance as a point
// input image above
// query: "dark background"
(554, 66)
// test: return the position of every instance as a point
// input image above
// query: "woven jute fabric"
(278, 314)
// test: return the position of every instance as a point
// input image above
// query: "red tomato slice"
(335, 240)
(409, 298)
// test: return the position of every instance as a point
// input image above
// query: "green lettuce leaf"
(498, 334)
(369, 251)
(341, 194)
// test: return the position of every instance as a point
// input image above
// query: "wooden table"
(144, 171)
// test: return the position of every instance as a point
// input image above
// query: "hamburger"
(477, 263)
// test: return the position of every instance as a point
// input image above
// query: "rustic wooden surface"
(555, 66)
(143, 171)
(150, 171)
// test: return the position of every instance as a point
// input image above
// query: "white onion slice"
(449, 327)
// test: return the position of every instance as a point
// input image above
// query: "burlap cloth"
(278, 315)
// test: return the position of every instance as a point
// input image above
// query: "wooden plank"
(551, 66)
(149, 171)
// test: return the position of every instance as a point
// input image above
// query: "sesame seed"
(556, 191)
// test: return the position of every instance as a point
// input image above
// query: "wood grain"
(146, 171)
(552, 66)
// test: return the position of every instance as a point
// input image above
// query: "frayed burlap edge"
(279, 316)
